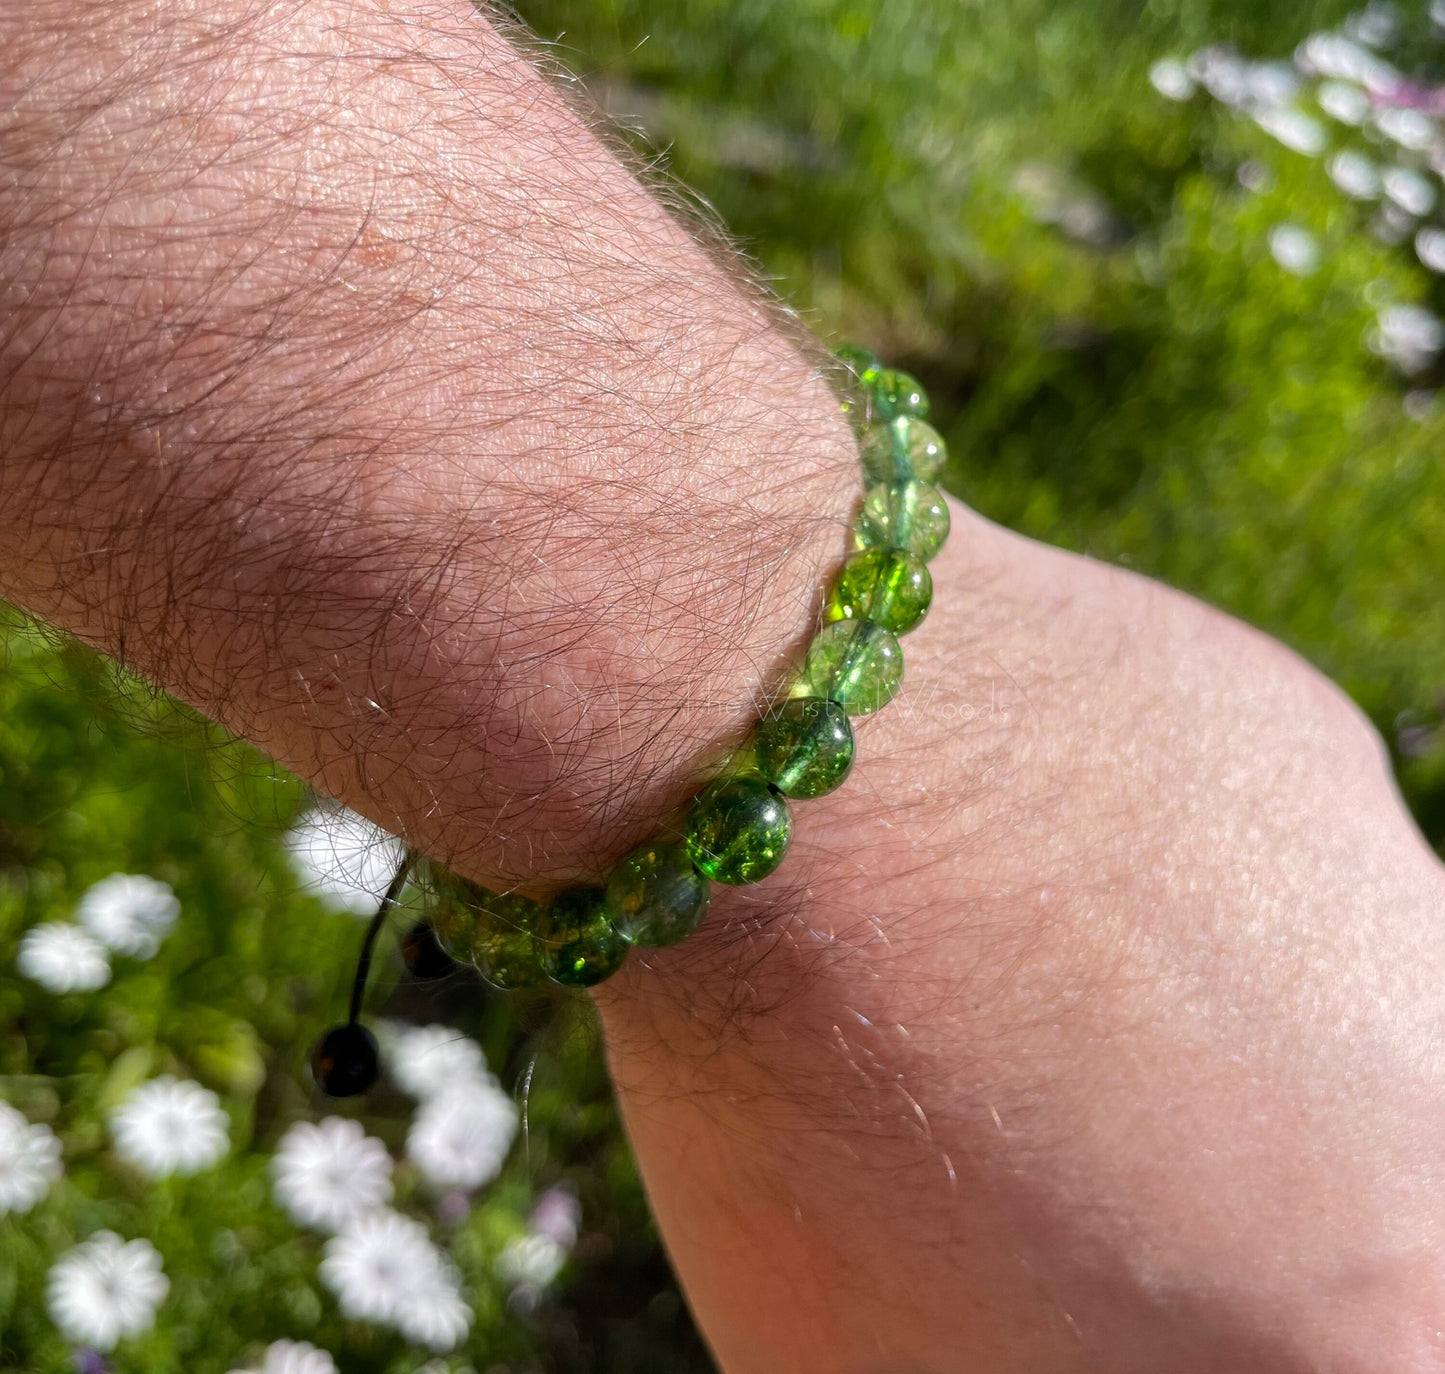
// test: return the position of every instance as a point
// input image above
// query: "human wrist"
(530, 547)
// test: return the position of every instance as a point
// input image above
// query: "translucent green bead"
(656, 896)
(738, 830)
(856, 663)
(805, 746)
(890, 587)
(857, 399)
(903, 515)
(580, 945)
(494, 931)
(509, 959)
(895, 393)
(457, 914)
(862, 363)
(901, 449)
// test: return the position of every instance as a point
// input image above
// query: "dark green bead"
(903, 515)
(901, 449)
(890, 587)
(895, 393)
(580, 945)
(805, 746)
(656, 896)
(738, 830)
(856, 663)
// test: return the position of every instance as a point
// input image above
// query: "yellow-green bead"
(509, 959)
(656, 896)
(902, 449)
(457, 913)
(890, 587)
(580, 945)
(856, 663)
(462, 909)
(895, 393)
(738, 830)
(903, 515)
(804, 747)
(494, 931)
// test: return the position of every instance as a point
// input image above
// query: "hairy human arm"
(356, 393)
(351, 389)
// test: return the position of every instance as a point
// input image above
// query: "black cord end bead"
(424, 956)
(345, 1061)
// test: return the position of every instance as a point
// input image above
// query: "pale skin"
(351, 389)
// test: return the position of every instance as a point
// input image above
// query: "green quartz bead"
(656, 896)
(861, 362)
(509, 959)
(903, 515)
(890, 587)
(464, 909)
(857, 398)
(901, 449)
(738, 830)
(856, 663)
(580, 945)
(457, 914)
(895, 393)
(494, 931)
(805, 746)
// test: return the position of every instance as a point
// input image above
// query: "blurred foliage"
(99, 774)
(991, 195)
(1153, 388)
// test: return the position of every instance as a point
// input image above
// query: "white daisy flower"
(1343, 101)
(1170, 77)
(1295, 249)
(426, 1060)
(1271, 83)
(29, 1161)
(384, 1269)
(1294, 128)
(171, 1126)
(344, 859)
(1412, 192)
(1222, 72)
(1430, 248)
(1341, 59)
(129, 913)
(1391, 224)
(1355, 175)
(531, 1261)
(460, 1137)
(104, 1289)
(1408, 336)
(1377, 25)
(436, 1315)
(1411, 129)
(294, 1357)
(62, 958)
(329, 1174)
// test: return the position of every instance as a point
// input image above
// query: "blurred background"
(1174, 276)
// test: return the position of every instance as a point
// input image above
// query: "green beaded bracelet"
(737, 830)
